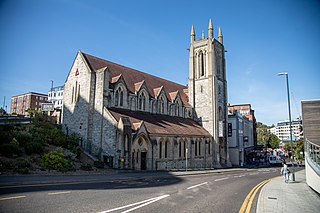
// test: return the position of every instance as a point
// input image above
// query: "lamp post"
(290, 127)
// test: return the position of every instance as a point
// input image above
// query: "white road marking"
(143, 203)
(58, 193)
(222, 179)
(239, 176)
(191, 187)
(254, 173)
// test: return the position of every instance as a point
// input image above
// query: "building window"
(180, 149)
(201, 64)
(165, 149)
(195, 148)
(142, 102)
(160, 149)
(177, 109)
(161, 103)
(116, 98)
(121, 98)
(72, 95)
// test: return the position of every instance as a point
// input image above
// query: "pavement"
(294, 197)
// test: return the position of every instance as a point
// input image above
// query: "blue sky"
(39, 40)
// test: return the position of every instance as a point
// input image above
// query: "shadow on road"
(20, 184)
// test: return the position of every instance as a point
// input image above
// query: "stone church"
(132, 120)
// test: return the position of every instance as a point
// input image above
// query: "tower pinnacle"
(220, 37)
(192, 35)
(210, 29)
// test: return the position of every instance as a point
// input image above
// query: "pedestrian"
(285, 172)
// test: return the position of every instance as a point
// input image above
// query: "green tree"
(263, 134)
(273, 141)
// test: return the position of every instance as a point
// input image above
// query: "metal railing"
(312, 153)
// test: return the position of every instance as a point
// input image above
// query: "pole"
(51, 91)
(290, 126)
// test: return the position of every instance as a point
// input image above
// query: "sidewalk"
(295, 197)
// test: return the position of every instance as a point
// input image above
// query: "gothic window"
(201, 64)
(121, 98)
(195, 148)
(180, 149)
(118, 97)
(161, 103)
(142, 102)
(160, 149)
(72, 95)
(177, 109)
(199, 148)
(184, 148)
(165, 149)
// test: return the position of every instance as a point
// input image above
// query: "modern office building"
(282, 130)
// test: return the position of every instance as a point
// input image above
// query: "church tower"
(207, 89)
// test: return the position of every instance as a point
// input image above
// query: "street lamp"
(287, 82)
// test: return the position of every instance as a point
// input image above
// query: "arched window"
(118, 97)
(195, 148)
(202, 62)
(161, 104)
(177, 106)
(121, 98)
(142, 102)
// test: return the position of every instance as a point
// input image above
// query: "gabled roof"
(132, 76)
(161, 124)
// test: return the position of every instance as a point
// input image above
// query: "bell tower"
(207, 89)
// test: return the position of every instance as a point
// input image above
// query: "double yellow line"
(247, 203)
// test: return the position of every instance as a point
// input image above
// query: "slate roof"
(161, 124)
(133, 77)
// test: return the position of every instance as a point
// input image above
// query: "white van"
(275, 160)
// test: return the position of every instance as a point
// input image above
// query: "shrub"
(54, 160)
(86, 167)
(33, 148)
(10, 150)
(98, 164)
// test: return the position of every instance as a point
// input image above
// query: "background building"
(240, 137)
(282, 130)
(55, 96)
(247, 111)
(33, 100)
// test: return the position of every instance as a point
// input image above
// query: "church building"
(132, 120)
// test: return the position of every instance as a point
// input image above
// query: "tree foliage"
(266, 138)
(298, 148)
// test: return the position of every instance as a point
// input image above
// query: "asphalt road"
(212, 192)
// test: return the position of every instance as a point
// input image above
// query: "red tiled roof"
(161, 124)
(132, 76)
